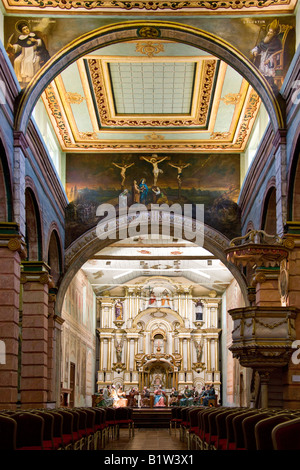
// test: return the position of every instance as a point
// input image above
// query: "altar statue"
(159, 398)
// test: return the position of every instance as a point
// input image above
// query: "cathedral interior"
(149, 201)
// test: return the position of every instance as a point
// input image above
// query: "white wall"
(259, 128)
(45, 127)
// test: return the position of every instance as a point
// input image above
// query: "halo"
(21, 23)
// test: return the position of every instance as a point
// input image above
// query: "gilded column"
(189, 365)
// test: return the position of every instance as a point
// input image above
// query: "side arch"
(34, 233)
(139, 30)
(268, 215)
(6, 193)
(54, 254)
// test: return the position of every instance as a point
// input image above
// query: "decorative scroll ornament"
(74, 98)
(100, 5)
(118, 367)
(231, 98)
(198, 367)
(148, 32)
(149, 48)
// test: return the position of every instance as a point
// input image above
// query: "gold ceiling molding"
(58, 104)
(91, 143)
(99, 6)
(204, 81)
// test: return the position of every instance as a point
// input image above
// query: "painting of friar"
(27, 51)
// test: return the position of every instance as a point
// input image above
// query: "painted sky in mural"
(209, 179)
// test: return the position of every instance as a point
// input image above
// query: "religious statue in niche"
(152, 299)
(119, 366)
(198, 366)
(159, 298)
(118, 311)
(27, 51)
(199, 348)
(199, 310)
(165, 300)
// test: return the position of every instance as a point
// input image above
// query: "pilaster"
(36, 281)
(12, 250)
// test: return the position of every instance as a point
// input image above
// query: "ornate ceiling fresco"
(151, 96)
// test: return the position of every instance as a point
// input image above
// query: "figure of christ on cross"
(155, 160)
(123, 172)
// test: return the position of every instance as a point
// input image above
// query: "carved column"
(34, 373)
(12, 250)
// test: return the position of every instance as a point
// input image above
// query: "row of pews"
(234, 428)
(88, 428)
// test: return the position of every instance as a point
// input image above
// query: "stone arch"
(158, 30)
(6, 204)
(88, 244)
(268, 215)
(54, 254)
(34, 240)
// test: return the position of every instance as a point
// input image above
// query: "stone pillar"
(34, 373)
(131, 354)
(20, 146)
(12, 249)
(54, 343)
(58, 322)
(281, 184)
(267, 292)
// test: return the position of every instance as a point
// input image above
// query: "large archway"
(117, 33)
(88, 244)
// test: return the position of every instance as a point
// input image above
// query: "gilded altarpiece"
(162, 337)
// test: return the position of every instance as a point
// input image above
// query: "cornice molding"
(98, 7)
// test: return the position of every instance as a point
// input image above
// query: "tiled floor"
(147, 439)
